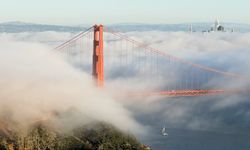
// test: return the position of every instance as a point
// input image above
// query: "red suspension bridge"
(125, 64)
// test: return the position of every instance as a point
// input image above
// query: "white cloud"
(226, 51)
(35, 82)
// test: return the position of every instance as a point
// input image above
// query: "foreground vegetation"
(98, 136)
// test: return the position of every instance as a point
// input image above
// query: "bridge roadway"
(183, 93)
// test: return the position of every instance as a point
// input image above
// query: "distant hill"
(15, 27)
(199, 27)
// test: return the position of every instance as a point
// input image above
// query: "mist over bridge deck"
(118, 61)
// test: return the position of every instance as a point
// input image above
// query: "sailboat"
(164, 132)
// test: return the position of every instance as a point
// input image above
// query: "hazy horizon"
(125, 23)
(112, 11)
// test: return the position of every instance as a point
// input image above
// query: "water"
(180, 139)
(198, 127)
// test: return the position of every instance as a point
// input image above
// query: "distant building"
(190, 29)
(217, 26)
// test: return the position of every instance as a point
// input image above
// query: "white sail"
(164, 132)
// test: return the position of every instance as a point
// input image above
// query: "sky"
(77, 12)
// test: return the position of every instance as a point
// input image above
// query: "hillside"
(97, 136)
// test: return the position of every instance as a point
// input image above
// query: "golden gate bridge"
(125, 64)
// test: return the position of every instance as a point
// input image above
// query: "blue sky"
(74, 12)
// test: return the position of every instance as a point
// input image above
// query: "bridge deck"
(177, 93)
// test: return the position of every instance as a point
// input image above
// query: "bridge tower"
(97, 66)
